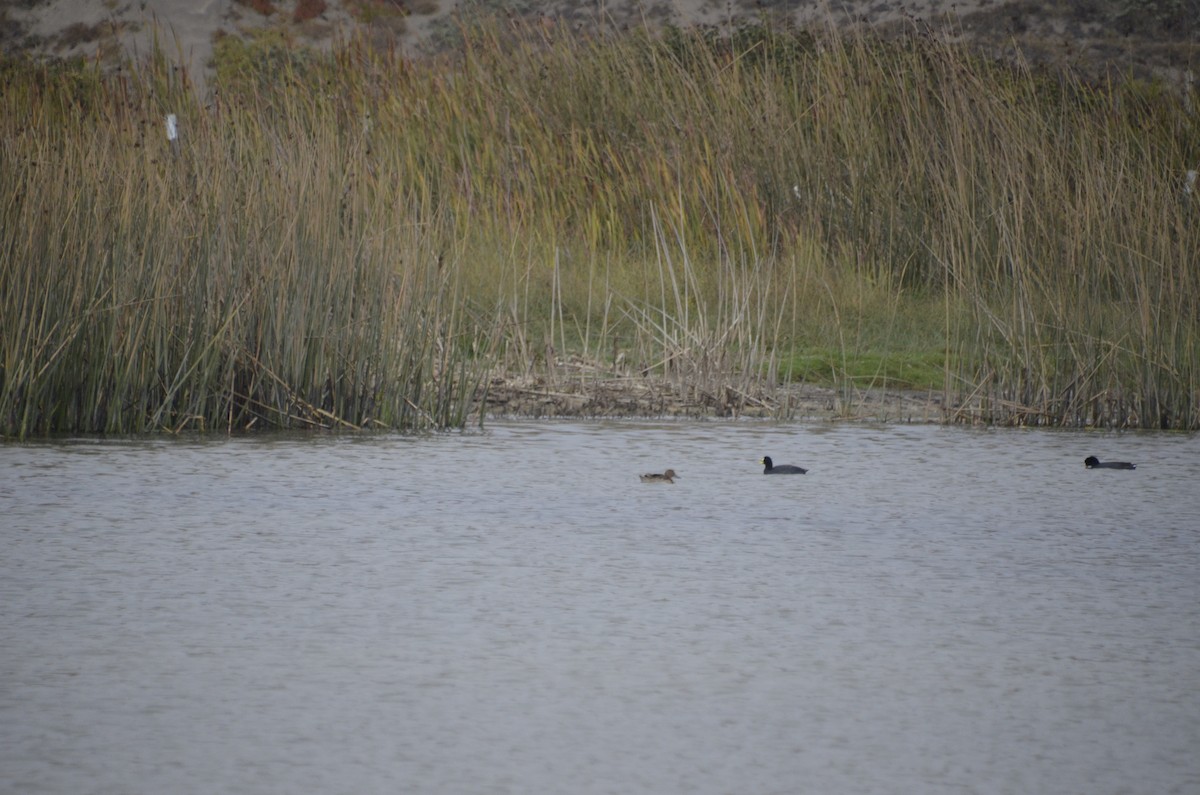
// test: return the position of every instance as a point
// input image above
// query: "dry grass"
(353, 239)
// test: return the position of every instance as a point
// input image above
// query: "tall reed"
(355, 238)
(257, 274)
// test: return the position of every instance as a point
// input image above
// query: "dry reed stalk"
(335, 229)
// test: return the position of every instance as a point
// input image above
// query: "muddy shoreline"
(591, 393)
(585, 391)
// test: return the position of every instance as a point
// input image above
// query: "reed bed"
(250, 274)
(357, 239)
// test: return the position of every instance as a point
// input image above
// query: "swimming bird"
(1091, 462)
(782, 469)
(666, 477)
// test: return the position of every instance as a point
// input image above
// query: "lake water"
(929, 610)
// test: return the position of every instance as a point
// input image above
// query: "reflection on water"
(928, 610)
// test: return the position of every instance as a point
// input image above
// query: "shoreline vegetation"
(780, 222)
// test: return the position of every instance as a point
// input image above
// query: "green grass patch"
(917, 370)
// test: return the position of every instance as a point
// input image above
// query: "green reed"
(354, 239)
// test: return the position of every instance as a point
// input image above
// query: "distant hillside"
(1098, 38)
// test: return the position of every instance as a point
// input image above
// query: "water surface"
(933, 610)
